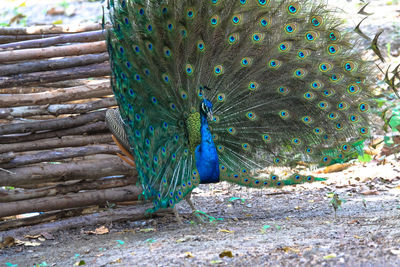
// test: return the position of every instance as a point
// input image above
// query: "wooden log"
(95, 89)
(58, 154)
(93, 70)
(50, 29)
(64, 141)
(54, 124)
(74, 83)
(51, 64)
(41, 218)
(71, 200)
(46, 172)
(57, 109)
(48, 87)
(130, 213)
(83, 37)
(54, 51)
(26, 90)
(18, 195)
(5, 39)
(7, 157)
(23, 90)
(91, 128)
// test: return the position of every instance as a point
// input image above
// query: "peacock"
(219, 90)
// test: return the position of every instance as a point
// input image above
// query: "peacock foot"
(203, 217)
(200, 216)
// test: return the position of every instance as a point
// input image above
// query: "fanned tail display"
(217, 89)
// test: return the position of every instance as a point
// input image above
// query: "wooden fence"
(56, 153)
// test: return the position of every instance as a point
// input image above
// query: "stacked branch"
(56, 153)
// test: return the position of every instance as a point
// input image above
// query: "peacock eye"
(204, 107)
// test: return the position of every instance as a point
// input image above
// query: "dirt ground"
(293, 226)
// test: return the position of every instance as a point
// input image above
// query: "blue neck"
(206, 155)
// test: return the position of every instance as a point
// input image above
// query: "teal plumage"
(285, 84)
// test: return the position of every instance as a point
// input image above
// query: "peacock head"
(206, 109)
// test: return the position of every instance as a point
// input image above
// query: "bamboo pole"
(93, 70)
(54, 51)
(18, 195)
(64, 141)
(54, 124)
(46, 172)
(70, 200)
(83, 37)
(91, 128)
(58, 154)
(56, 109)
(92, 90)
(51, 64)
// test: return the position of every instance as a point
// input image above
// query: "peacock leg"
(200, 216)
(189, 201)
(178, 218)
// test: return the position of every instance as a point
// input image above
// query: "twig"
(10, 172)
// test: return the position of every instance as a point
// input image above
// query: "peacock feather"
(216, 90)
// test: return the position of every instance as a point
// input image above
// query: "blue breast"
(207, 162)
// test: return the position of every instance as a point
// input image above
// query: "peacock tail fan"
(287, 84)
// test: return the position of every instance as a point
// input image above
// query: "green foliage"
(335, 202)
(64, 4)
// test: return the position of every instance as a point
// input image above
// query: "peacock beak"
(210, 115)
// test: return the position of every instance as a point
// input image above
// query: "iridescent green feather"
(193, 127)
(287, 84)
